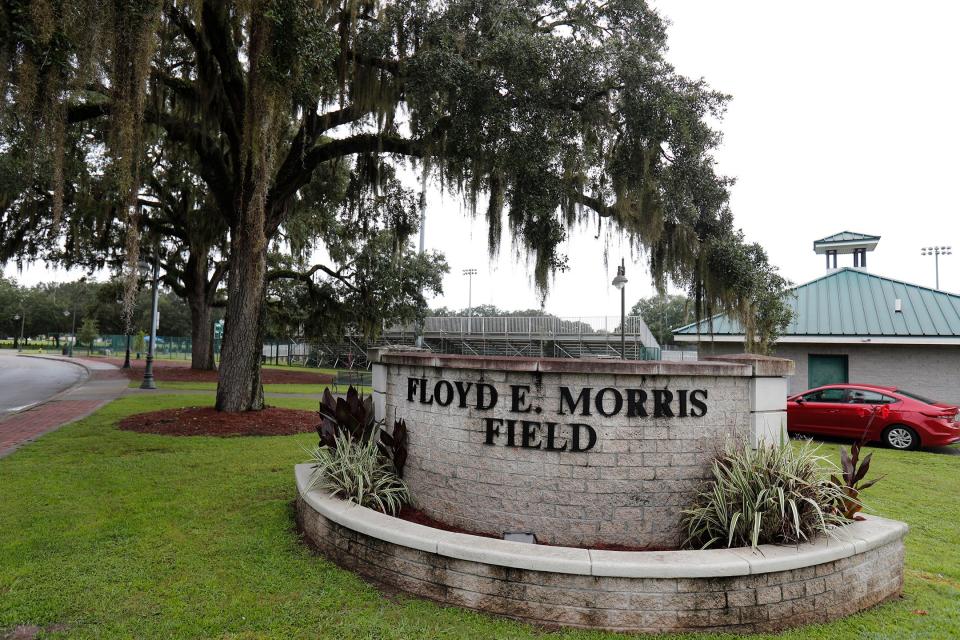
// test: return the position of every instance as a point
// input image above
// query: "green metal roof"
(849, 302)
(846, 236)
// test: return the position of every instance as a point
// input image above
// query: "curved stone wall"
(577, 452)
(718, 590)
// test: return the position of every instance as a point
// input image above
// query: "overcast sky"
(844, 117)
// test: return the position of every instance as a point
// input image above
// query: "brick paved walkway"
(105, 383)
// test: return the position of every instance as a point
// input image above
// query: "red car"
(898, 418)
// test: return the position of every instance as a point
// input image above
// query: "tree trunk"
(201, 331)
(199, 291)
(239, 387)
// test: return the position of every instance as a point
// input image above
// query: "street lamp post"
(22, 317)
(66, 313)
(936, 252)
(73, 330)
(126, 358)
(126, 334)
(66, 345)
(469, 273)
(148, 382)
(620, 283)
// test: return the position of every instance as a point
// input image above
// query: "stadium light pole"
(936, 252)
(469, 273)
(620, 282)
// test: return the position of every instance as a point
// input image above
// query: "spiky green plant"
(774, 494)
(356, 471)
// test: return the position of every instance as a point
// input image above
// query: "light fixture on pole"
(936, 252)
(66, 347)
(22, 318)
(620, 283)
(469, 273)
(148, 382)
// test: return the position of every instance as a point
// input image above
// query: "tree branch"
(216, 25)
(87, 111)
(306, 276)
(601, 209)
(211, 165)
(216, 278)
(285, 188)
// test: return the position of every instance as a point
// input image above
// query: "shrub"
(357, 458)
(775, 494)
(851, 481)
(352, 418)
(357, 471)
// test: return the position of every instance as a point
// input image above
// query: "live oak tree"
(663, 313)
(372, 275)
(756, 294)
(552, 112)
(174, 215)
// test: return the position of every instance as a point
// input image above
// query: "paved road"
(27, 381)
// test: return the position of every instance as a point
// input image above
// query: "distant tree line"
(48, 309)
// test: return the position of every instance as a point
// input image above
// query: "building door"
(823, 370)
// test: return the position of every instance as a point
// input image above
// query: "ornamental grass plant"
(774, 494)
(355, 470)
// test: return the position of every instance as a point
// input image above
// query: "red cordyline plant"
(353, 418)
(853, 471)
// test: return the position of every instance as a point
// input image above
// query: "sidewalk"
(104, 383)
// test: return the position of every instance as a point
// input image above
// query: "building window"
(831, 259)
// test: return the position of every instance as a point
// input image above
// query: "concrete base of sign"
(736, 590)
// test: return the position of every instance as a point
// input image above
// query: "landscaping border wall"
(738, 590)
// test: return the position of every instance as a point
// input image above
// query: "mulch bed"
(207, 421)
(180, 371)
(416, 516)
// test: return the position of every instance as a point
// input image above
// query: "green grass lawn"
(267, 388)
(110, 534)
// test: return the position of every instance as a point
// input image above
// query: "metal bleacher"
(529, 336)
(533, 336)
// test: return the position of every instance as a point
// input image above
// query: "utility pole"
(418, 327)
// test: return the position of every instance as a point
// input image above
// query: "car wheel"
(901, 437)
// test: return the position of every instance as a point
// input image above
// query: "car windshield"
(916, 396)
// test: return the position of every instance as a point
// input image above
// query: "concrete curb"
(854, 539)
